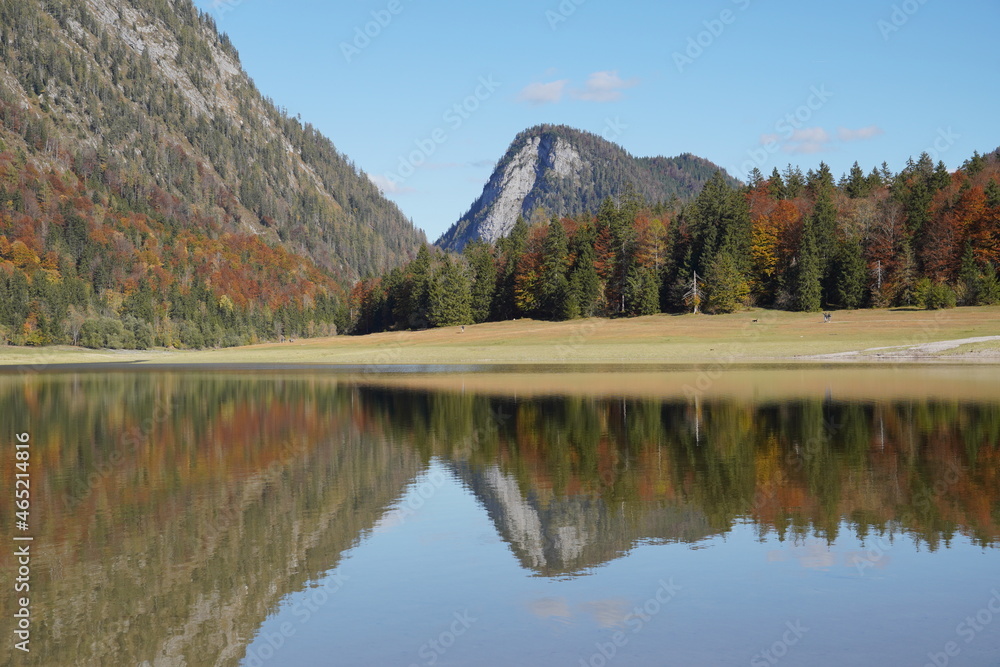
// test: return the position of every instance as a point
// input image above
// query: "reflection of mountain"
(563, 534)
(173, 512)
(626, 470)
(245, 491)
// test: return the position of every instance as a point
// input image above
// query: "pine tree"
(509, 251)
(720, 220)
(449, 295)
(484, 279)
(968, 278)
(993, 194)
(775, 185)
(553, 284)
(823, 223)
(726, 287)
(585, 284)
(850, 275)
(808, 290)
(794, 182)
(415, 301)
(857, 185)
(988, 293)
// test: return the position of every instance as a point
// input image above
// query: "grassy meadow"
(755, 336)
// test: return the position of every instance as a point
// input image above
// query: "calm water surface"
(795, 518)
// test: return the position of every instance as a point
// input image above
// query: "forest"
(925, 237)
(150, 196)
(79, 265)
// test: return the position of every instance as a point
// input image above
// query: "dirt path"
(919, 350)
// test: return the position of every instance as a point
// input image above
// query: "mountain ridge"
(567, 171)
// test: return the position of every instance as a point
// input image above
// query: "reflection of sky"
(819, 554)
(409, 583)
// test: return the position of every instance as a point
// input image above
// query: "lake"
(533, 516)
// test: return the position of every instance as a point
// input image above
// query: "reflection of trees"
(926, 467)
(185, 540)
(172, 512)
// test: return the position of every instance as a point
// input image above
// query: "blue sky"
(425, 96)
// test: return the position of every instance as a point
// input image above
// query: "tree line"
(924, 237)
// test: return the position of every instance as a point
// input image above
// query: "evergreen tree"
(415, 301)
(794, 182)
(509, 251)
(988, 293)
(849, 275)
(993, 194)
(449, 297)
(726, 287)
(808, 289)
(823, 223)
(642, 291)
(857, 185)
(554, 285)
(720, 221)
(585, 285)
(484, 279)
(968, 279)
(775, 185)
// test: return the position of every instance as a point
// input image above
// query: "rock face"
(512, 188)
(564, 171)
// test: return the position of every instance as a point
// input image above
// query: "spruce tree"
(726, 287)
(808, 290)
(850, 275)
(857, 184)
(509, 251)
(554, 285)
(823, 223)
(585, 284)
(414, 303)
(484, 279)
(775, 185)
(449, 295)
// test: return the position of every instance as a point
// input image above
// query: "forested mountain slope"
(138, 158)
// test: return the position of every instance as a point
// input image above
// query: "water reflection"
(174, 512)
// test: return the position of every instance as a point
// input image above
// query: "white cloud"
(805, 148)
(805, 140)
(604, 87)
(861, 134)
(813, 135)
(543, 93)
(388, 186)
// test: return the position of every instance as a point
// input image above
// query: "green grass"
(776, 336)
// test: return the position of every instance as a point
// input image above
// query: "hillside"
(567, 172)
(138, 158)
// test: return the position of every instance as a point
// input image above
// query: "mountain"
(150, 90)
(137, 156)
(567, 171)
